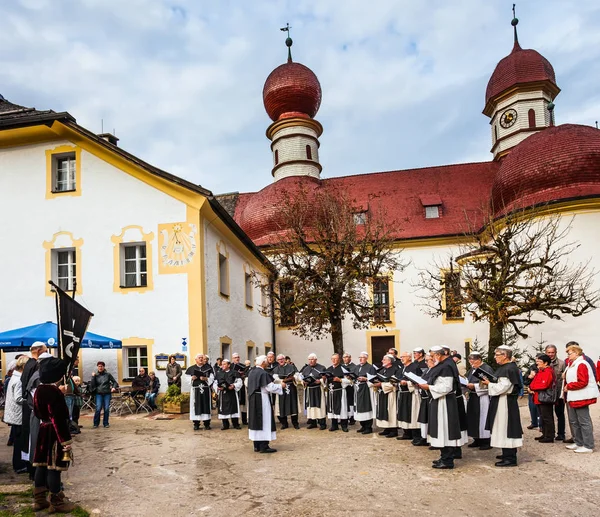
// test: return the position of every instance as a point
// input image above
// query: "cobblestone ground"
(147, 466)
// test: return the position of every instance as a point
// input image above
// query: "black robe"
(288, 401)
(242, 391)
(511, 372)
(364, 402)
(458, 391)
(423, 417)
(202, 394)
(405, 396)
(473, 404)
(422, 367)
(350, 389)
(29, 369)
(382, 398)
(313, 391)
(335, 397)
(228, 399)
(444, 369)
(257, 378)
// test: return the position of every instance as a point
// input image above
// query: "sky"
(180, 81)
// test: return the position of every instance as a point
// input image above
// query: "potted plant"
(176, 402)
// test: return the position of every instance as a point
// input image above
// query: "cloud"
(181, 81)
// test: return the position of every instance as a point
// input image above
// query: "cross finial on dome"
(514, 23)
(288, 41)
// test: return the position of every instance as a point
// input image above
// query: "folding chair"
(88, 399)
(142, 404)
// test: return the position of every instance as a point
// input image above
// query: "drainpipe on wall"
(273, 339)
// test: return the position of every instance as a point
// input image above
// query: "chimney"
(111, 139)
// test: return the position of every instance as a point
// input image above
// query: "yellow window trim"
(117, 240)
(445, 319)
(225, 340)
(50, 154)
(49, 246)
(133, 342)
(392, 322)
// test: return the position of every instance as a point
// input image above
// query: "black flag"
(73, 320)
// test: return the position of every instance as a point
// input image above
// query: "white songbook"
(415, 378)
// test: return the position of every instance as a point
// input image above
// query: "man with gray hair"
(287, 402)
(504, 420)
(386, 416)
(365, 401)
(202, 377)
(261, 424)
(314, 395)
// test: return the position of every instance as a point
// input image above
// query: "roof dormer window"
(433, 205)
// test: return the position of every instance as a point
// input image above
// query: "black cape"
(257, 378)
(382, 398)
(473, 404)
(334, 400)
(363, 395)
(511, 372)
(313, 392)
(405, 396)
(202, 394)
(228, 399)
(444, 369)
(288, 401)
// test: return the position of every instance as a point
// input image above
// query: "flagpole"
(58, 350)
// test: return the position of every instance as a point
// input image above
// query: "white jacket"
(587, 393)
(13, 406)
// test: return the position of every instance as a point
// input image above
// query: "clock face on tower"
(178, 245)
(508, 118)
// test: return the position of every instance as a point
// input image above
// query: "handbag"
(548, 396)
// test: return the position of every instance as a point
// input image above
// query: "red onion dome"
(519, 67)
(292, 90)
(558, 163)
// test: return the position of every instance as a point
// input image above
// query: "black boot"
(393, 433)
(295, 422)
(283, 421)
(244, 418)
(322, 424)
(406, 435)
(475, 443)
(484, 444)
(334, 425)
(312, 424)
(206, 424)
(236, 423)
(196, 425)
(352, 421)
(368, 429)
(225, 423)
(344, 424)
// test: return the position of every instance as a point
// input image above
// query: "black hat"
(52, 369)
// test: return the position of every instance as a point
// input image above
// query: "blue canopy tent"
(23, 338)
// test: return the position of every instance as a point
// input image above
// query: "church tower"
(292, 96)
(519, 97)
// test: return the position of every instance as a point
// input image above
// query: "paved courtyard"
(146, 466)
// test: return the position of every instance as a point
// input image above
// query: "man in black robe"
(200, 394)
(504, 420)
(337, 403)
(287, 401)
(478, 404)
(350, 366)
(409, 401)
(365, 400)
(241, 370)
(227, 383)
(386, 415)
(314, 396)
(444, 429)
(458, 390)
(261, 424)
(419, 359)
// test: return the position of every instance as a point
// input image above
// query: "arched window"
(531, 115)
(308, 152)
(276, 156)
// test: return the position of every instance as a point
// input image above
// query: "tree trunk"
(496, 339)
(337, 336)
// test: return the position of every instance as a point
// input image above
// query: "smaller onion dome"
(291, 90)
(558, 163)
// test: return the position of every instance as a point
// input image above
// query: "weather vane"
(514, 23)
(288, 41)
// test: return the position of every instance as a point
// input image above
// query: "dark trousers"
(16, 432)
(509, 455)
(559, 409)
(547, 416)
(47, 478)
(336, 422)
(244, 418)
(366, 424)
(284, 421)
(234, 421)
(533, 412)
(447, 455)
(76, 413)
(260, 446)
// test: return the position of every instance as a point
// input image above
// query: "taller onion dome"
(559, 164)
(517, 96)
(292, 97)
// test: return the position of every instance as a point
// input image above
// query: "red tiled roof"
(519, 67)
(463, 189)
(292, 89)
(561, 162)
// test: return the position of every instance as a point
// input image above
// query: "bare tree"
(327, 254)
(513, 273)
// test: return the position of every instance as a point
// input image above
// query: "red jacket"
(543, 380)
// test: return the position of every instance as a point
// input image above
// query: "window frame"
(139, 361)
(71, 181)
(248, 290)
(71, 265)
(223, 270)
(138, 262)
(381, 308)
(428, 213)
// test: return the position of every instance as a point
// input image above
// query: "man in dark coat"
(287, 402)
